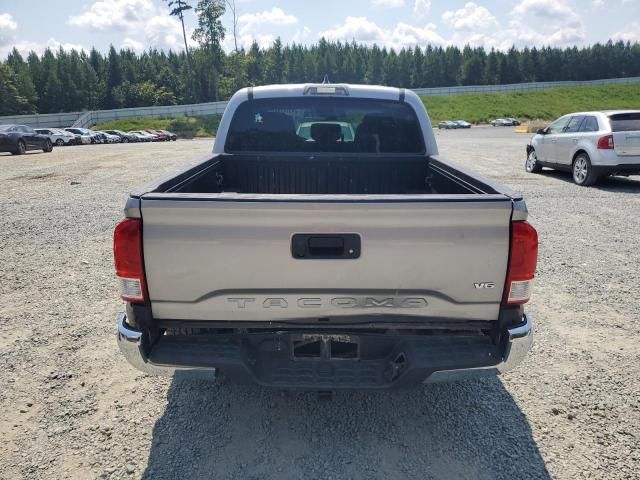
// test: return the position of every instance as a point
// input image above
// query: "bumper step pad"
(268, 359)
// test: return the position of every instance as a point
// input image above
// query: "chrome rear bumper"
(134, 345)
(519, 342)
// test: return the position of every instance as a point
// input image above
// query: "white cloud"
(541, 8)
(630, 34)
(554, 11)
(598, 3)
(404, 35)
(275, 16)
(543, 22)
(25, 46)
(530, 23)
(8, 41)
(152, 26)
(118, 15)
(388, 3)
(163, 30)
(421, 8)
(131, 44)
(301, 36)
(7, 25)
(476, 26)
(363, 30)
(251, 26)
(471, 17)
(7, 22)
(360, 29)
(264, 40)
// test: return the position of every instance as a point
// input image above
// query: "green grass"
(476, 108)
(184, 127)
(535, 105)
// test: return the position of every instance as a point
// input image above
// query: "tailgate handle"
(326, 246)
(336, 246)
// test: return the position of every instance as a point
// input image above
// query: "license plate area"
(325, 347)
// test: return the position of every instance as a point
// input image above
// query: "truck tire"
(582, 171)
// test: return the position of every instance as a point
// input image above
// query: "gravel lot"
(70, 406)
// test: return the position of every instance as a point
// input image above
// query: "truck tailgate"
(233, 260)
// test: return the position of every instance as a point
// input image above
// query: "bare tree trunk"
(189, 63)
(232, 6)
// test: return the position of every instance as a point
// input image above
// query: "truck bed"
(323, 175)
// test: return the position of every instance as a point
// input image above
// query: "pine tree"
(73, 81)
(210, 34)
(375, 68)
(51, 96)
(114, 77)
(417, 73)
(275, 63)
(11, 103)
(24, 82)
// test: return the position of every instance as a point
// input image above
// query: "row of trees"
(71, 80)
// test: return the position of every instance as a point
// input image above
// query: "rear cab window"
(325, 124)
(625, 122)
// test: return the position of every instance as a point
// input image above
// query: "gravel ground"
(70, 407)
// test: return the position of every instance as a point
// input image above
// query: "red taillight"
(605, 143)
(127, 252)
(523, 259)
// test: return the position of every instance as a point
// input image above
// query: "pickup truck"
(325, 261)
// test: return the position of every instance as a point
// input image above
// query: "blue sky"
(140, 24)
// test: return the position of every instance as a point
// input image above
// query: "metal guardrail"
(521, 87)
(45, 120)
(83, 121)
(88, 119)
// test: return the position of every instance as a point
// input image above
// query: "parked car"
(590, 145)
(159, 136)
(109, 138)
(447, 125)
(143, 136)
(86, 135)
(152, 136)
(172, 136)
(18, 139)
(501, 122)
(99, 137)
(81, 138)
(462, 124)
(375, 281)
(123, 136)
(58, 137)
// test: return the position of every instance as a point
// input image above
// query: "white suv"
(591, 145)
(58, 137)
